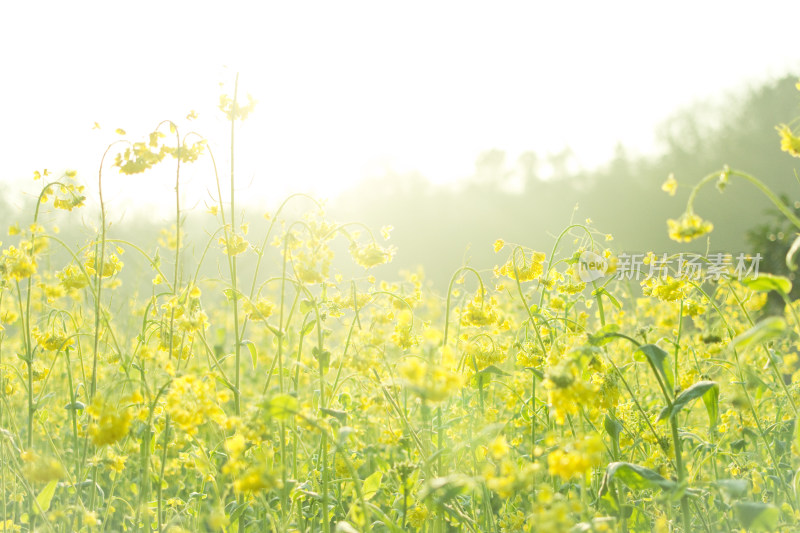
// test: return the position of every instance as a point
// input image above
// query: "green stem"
(676, 443)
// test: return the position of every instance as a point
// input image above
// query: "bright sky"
(349, 89)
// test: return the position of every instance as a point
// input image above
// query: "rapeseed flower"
(577, 458)
(521, 268)
(790, 143)
(18, 264)
(688, 227)
(371, 254)
(41, 469)
(191, 402)
(480, 311)
(417, 516)
(670, 186)
(110, 423)
(72, 278)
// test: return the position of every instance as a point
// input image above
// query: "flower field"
(284, 394)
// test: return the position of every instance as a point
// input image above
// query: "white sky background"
(348, 90)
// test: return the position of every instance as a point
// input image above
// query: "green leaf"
(614, 301)
(635, 477)
(604, 335)
(659, 361)
(613, 427)
(281, 406)
(46, 495)
(770, 328)
(371, 485)
(278, 333)
(756, 516)
(733, 488)
(538, 373)
(77, 406)
(790, 254)
(307, 328)
(253, 352)
(238, 512)
(344, 527)
(492, 369)
(341, 416)
(232, 294)
(769, 282)
(443, 489)
(797, 432)
(708, 390)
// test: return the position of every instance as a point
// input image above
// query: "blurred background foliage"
(532, 198)
(441, 227)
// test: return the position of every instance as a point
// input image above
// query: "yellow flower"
(191, 401)
(790, 143)
(518, 267)
(480, 312)
(371, 255)
(498, 448)
(498, 245)
(41, 469)
(576, 458)
(111, 266)
(417, 516)
(253, 479)
(18, 263)
(431, 382)
(670, 186)
(235, 445)
(110, 424)
(72, 278)
(688, 227)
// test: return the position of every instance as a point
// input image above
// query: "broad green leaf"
(238, 512)
(281, 406)
(768, 282)
(232, 294)
(372, 484)
(770, 328)
(604, 335)
(340, 415)
(711, 400)
(733, 488)
(708, 390)
(253, 352)
(659, 360)
(46, 495)
(635, 477)
(307, 328)
(755, 516)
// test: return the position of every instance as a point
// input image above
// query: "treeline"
(441, 228)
